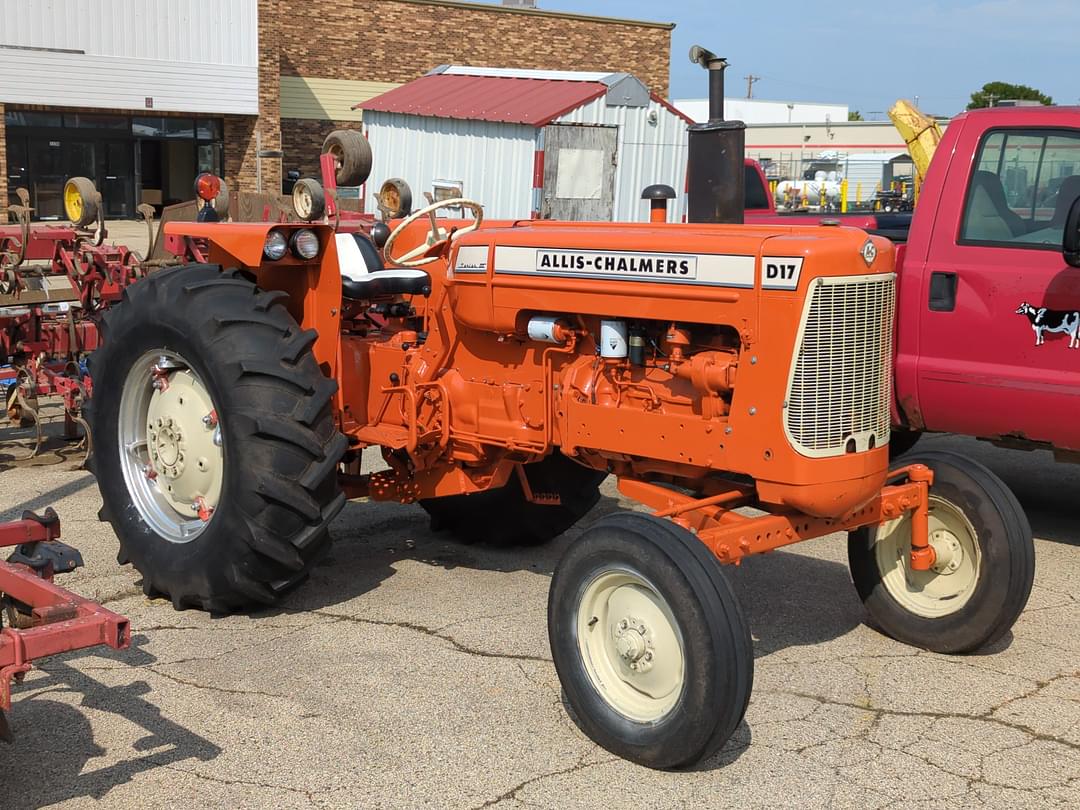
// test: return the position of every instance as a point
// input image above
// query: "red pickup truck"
(988, 312)
(988, 318)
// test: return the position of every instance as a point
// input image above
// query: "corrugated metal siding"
(327, 99)
(188, 55)
(647, 154)
(493, 161)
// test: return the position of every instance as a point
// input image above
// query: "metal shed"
(530, 143)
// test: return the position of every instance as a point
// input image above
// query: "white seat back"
(351, 262)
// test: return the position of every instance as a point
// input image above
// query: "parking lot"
(414, 671)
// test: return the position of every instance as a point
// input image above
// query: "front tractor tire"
(983, 570)
(652, 649)
(218, 450)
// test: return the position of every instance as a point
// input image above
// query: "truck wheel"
(503, 517)
(652, 650)
(352, 156)
(985, 563)
(218, 451)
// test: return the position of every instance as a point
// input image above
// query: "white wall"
(493, 161)
(646, 154)
(187, 55)
(762, 111)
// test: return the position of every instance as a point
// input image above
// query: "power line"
(751, 80)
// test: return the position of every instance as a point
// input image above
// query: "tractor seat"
(364, 277)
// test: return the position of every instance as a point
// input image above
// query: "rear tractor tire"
(650, 644)
(984, 568)
(218, 453)
(504, 517)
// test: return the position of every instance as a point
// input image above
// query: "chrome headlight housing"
(275, 245)
(304, 244)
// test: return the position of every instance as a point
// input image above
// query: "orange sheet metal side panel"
(566, 270)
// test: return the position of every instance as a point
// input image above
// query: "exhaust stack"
(716, 178)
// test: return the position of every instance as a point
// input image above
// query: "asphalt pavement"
(414, 671)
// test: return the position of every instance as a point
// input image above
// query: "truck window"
(1022, 187)
(755, 191)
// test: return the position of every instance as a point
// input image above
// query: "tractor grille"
(841, 380)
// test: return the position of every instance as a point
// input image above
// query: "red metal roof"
(536, 102)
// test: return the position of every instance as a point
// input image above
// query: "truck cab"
(988, 333)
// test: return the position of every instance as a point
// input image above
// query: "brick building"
(251, 77)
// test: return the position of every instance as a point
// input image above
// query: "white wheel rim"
(303, 202)
(950, 583)
(170, 445)
(631, 645)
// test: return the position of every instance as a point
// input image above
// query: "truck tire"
(503, 517)
(984, 570)
(206, 389)
(650, 644)
(352, 154)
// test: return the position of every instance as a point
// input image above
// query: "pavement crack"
(434, 633)
(986, 717)
(224, 689)
(308, 794)
(511, 795)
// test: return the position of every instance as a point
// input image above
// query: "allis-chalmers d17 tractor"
(707, 366)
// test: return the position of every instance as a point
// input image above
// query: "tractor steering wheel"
(437, 238)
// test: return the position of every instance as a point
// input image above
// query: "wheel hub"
(633, 642)
(182, 441)
(948, 552)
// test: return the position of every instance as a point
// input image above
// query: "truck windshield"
(1022, 187)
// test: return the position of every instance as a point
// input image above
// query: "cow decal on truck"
(1045, 320)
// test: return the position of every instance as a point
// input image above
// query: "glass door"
(118, 184)
(47, 176)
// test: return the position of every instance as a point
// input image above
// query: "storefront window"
(148, 127)
(28, 118)
(179, 128)
(208, 129)
(93, 121)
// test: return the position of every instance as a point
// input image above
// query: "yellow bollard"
(843, 196)
(821, 202)
(858, 194)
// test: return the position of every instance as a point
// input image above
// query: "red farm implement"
(54, 282)
(42, 618)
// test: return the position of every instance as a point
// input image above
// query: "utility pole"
(751, 80)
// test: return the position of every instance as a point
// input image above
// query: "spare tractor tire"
(395, 199)
(81, 201)
(352, 156)
(218, 449)
(503, 516)
(222, 200)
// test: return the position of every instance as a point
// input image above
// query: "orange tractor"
(502, 371)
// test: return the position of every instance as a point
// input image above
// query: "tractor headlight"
(305, 244)
(275, 245)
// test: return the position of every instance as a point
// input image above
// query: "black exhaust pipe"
(716, 179)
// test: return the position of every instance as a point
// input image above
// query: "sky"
(866, 53)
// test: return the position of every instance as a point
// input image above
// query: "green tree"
(993, 92)
(854, 115)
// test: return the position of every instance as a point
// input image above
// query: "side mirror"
(1070, 244)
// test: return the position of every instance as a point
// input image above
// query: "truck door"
(999, 348)
(579, 173)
